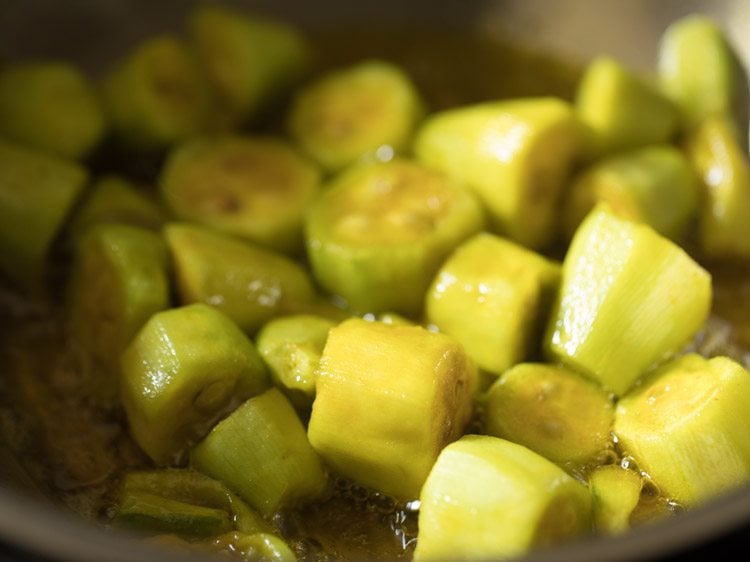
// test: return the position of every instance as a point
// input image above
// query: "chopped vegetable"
(655, 185)
(50, 105)
(516, 155)
(254, 187)
(291, 346)
(628, 299)
(493, 296)
(553, 411)
(686, 426)
(487, 498)
(37, 193)
(379, 233)
(366, 111)
(185, 368)
(615, 493)
(621, 110)
(262, 453)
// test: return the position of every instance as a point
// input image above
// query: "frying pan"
(93, 32)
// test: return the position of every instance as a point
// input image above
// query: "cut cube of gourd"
(724, 170)
(388, 399)
(247, 282)
(254, 187)
(291, 346)
(628, 299)
(365, 111)
(615, 493)
(551, 410)
(118, 280)
(700, 71)
(516, 155)
(621, 110)
(488, 499)
(262, 453)
(655, 185)
(185, 368)
(156, 94)
(250, 61)
(493, 296)
(686, 427)
(37, 192)
(50, 105)
(378, 234)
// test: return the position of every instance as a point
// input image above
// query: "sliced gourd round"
(379, 232)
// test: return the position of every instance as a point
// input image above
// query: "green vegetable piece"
(248, 283)
(388, 399)
(153, 513)
(621, 110)
(365, 111)
(628, 298)
(378, 234)
(686, 426)
(489, 499)
(194, 488)
(118, 280)
(262, 453)
(700, 72)
(156, 95)
(551, 410)
(50, 105)
(493, 296)
(116, 199)
(250, 61)
(256, 547)
(615, 493)
(291, 347)
(256, 188)
(185, 368)
(724, 170)
(655, 185)
(515, 154)
(37, 193)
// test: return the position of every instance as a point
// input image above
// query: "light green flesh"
(615, 493)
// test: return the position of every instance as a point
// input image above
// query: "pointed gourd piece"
(247, 282)
(686, 427)
(378, 234)
(388, 399)
(261, 452)
(615, 493)
(553, 411)
(184, 369)
(52, 106)
(516, 155)
(628, 299)
(254, 187)
(118, 280)
(37, 193)
(291, 346)
(724, 171)
(487, 499)
(700, 71)
(250, 61)
(655, 185)
(493, 296)
(156, 94)
(365, 111)
(621, 110)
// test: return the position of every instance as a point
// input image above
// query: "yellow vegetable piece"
(686, 426)
(388, 399)
(615, 492)
(516, 155)
(493, 296)
(628, 299)
(488, 499)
